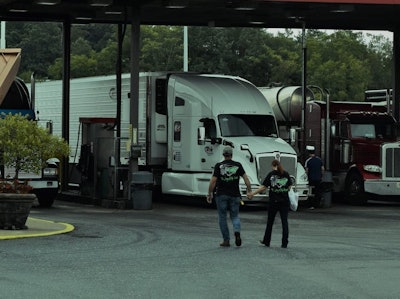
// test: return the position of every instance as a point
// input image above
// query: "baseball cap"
(227, 151)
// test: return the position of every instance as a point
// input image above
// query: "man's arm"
(211, 187)
(248, 185)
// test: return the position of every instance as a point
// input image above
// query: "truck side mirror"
(216, 140)
(49, 127)
(333, 130)
(245, 147)
(201, 135)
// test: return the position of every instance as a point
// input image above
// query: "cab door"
(209, 149)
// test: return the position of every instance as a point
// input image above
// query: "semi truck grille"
(392, 160)
(288, 162)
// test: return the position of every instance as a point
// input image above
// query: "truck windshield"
(234, 125)
(373, 131)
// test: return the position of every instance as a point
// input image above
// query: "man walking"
(225, 182)
(314, 168)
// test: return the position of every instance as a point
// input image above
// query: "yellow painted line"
(37, 228)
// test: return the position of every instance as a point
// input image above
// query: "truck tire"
(46, 197)
(355, 194)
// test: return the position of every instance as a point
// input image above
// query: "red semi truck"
(357, 140)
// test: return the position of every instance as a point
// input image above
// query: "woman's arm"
(259, 190)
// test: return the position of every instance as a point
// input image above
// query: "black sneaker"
(284, 246)
(263, 243)
(238, 241)
(225, 243)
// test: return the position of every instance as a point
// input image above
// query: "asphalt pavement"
(172, 251)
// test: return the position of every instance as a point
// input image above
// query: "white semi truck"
(185, 120)
(16, 99)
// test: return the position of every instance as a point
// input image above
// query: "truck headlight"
(372, 168)
(304, 178)
(50, 172)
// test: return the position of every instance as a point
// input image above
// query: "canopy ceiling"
(322, 14)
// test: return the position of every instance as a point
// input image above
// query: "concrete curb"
(37, 228)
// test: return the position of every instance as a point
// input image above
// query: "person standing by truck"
(279, 183)
(225, 181)
(314, 168)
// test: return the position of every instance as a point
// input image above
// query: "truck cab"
(206, 113)
(363, 146)
(15, 99)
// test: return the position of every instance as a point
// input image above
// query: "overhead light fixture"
(84, 15)
(256, 22)
(175, 4)
(84, 18)
(245, 8)
(343, 8)
(100, 3)
(18, 10)
(242, 5)
(113, 12)
(47, 2)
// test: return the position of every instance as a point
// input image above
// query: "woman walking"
(279, 183)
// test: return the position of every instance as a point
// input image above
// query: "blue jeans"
(227, 203)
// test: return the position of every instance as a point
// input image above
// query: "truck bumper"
(44, 184)
(304, 192)
(382, 187)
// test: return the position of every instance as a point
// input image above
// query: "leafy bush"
(25, 146)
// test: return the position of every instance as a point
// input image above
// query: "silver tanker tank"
(287, 103)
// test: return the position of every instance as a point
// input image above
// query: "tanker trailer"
(287, 104)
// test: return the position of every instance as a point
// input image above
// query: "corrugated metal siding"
(89, 97)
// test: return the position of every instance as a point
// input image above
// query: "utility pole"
(185, 49)
(3, 35)
(304, 93)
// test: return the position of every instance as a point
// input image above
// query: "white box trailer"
(90, 97)
(184, 122)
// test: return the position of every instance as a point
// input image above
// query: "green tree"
(339, 62)
(41, 44)
(344, 62)
(81, 46)
(161, 48)
(380, 50)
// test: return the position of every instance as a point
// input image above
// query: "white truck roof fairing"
(222, 94)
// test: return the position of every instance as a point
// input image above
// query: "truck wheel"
(355, 194)
(46, 202)
(46, 197)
